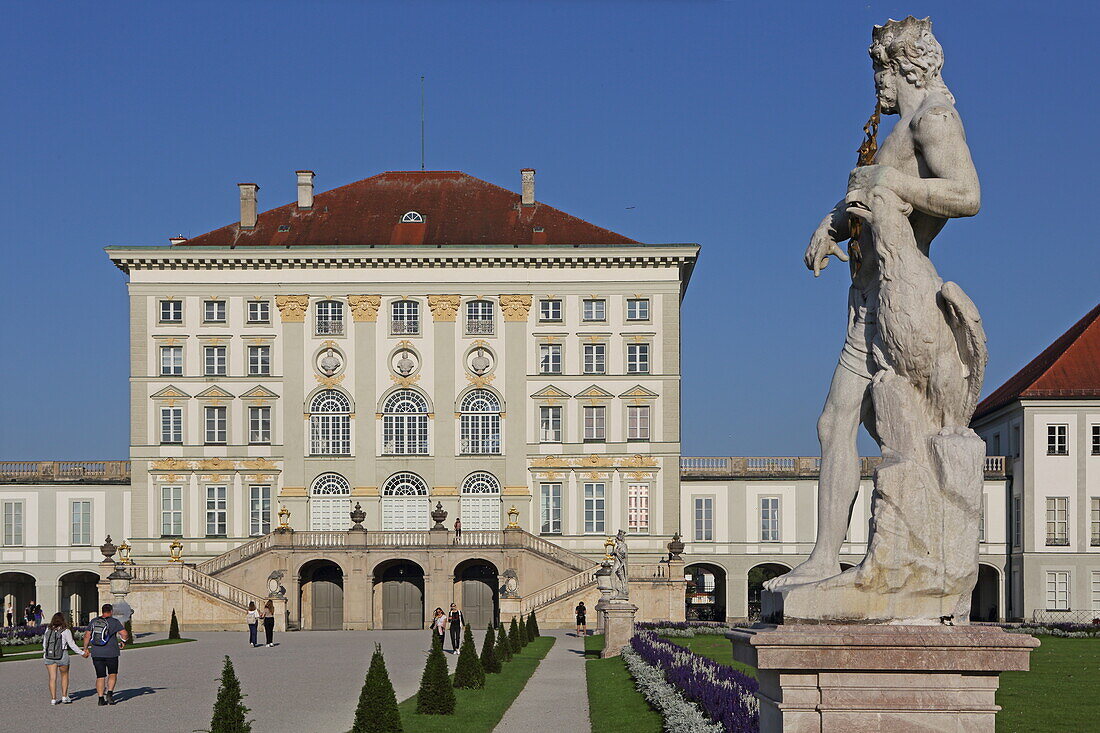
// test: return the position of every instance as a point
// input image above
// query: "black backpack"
(100, 630)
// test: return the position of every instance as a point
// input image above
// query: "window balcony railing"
(1054, 540)
(480, 447)
(405, 328)
(480, 326)
(330, 328)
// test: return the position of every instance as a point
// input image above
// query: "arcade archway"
(476, 592)
(79, 596)
(402, 589)
(705, 598)
(985, 599)
(759, 575)
(321, 595)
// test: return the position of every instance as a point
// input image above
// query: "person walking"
(582, 613)
(439, 626)
(28, 614)
(8, 611)
(268, 616)
(252, 618)
(56, 643)
(455, 623)
(104, 640)
(458, 530)
(38, 614)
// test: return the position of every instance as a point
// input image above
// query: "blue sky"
(729, 124)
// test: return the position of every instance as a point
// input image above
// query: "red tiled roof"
(1069, 368)
(457, 209)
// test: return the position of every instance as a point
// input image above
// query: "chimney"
(179, 239)
(305, 189)
(527, 186)
(248, 204)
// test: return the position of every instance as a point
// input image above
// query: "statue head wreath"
(908, 47)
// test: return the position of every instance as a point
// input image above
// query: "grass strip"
(479, 711)
(1060, 693)
(8, 657)
(614, 704)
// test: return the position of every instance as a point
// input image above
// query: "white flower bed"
(680, 716)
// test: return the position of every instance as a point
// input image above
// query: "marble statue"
(911, 366)
(620, 569)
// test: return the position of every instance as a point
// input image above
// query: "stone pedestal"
(279, 602)
(618, 621)
(872, 678)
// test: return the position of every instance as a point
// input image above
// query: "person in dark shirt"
(105, 639)
(455, 623)
(582, 613)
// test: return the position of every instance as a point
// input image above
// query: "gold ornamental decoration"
(216, 464)
(329, 382)
(515, 307)
(444, 307)
(364, 308)
(292, 307)
(260, 464)
(638, 461)
(171, 464)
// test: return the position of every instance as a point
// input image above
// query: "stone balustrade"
(704, 467)
(48, 472)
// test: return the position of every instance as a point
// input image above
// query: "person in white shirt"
(56, 643)
(253, 618)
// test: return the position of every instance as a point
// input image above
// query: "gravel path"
(309, 682)
(556, 696)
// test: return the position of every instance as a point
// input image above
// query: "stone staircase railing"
(556, 591)
(240, 553)
(180, 573)
(554, 552)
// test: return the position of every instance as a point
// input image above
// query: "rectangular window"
(13, 523)
(171, 361)
(259, 311)
(1095, 588)
(595, 427)
(637, 309)
(769, 519)
(171, 311)
(81, 530)
(1057, 591)
(1094, 522)
(549, 358)
(550, 508)
(406, 318)
(981, 521)
(479, 318)
(594, 309)
(1015, 447)
(259, 510)
(259, 425)
(330, 318)
(637, 508)
(1095, 440)
(704, 519)
(259, 361)
(637, 358)
(215, 511)
(594, 508)
(171, 425)
(550, 309)
(216, 425)
(171, 511)
(1017, 522)
(213, 311)
(995, 445)
(214, 361)
(1057, 440)
(550, 424)
(595, 358)
(1058, 521)
(637, 422)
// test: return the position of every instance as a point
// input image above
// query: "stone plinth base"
(872, 678)
(618, 621)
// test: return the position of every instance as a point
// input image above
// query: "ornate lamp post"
(284, 519)
(124, 553)
(513, 518)
(175, 551)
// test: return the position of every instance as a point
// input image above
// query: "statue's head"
(905, 52)
(621, 535)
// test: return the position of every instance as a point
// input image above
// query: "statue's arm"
(832, 230)
(951, 188)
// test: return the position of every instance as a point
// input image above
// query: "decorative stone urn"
(357, 517)
(675, 547)
(108, 549)
(439, 516)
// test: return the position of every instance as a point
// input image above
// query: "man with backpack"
(105, 639)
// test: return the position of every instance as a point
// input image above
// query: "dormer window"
(412, 217)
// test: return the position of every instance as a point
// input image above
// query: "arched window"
(405, 424)
(480, 502)
(405, 317)
(480, 429)
(330, 424)
(330, 503)
(405, 504)
(479, 317)
(412, 217)
(330, 318)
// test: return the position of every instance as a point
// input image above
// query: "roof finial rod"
(421, 123)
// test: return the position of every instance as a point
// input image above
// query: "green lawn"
(1060, 693)
(479, 711)
(614, 705)
(13, 657)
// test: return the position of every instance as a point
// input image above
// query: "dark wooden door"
(403, 604)
(328, 599)
(478, 602)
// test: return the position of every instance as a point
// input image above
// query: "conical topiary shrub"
(490, 662)
(513, 636)
(435, 696)
(174, 627)
(468, 672)
(377, 709)
(532, 627)
(503, 646)
(229, 708)
(522, 631)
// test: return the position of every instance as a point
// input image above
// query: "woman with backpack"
(268, 615)
(253, 619)
(56, 643)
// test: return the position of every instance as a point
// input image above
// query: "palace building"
(318, 391)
